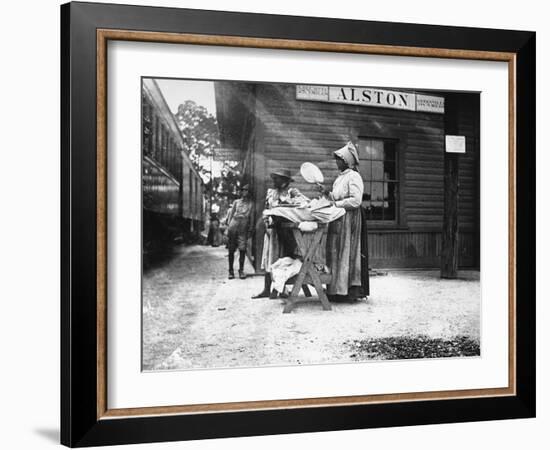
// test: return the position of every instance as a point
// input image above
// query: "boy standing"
(239, 228)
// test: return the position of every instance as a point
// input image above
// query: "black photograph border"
(82, 423)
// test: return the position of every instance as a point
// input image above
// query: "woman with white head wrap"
(347, 237)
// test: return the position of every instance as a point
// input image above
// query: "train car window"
(157, 136)
(190, 191)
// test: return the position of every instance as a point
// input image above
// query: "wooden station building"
(401, 138)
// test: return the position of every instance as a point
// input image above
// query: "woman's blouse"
(347, 190)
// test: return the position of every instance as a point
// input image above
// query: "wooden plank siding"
(288, 132)
(415, 249)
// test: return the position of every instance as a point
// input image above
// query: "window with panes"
(378, 167)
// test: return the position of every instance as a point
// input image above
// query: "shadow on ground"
(49, 434)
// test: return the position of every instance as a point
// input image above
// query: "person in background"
(214, 233)
(347, 251)
(239, 228)
(277, 242)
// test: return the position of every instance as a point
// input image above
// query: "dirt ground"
(194, 317)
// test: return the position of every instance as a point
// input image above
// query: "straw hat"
(285, 173)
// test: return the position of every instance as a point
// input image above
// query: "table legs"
(307, 269)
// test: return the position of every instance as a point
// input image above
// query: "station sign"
(365, 96)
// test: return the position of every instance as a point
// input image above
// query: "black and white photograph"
(295, 224)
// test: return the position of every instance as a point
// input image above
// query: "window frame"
(399, 221)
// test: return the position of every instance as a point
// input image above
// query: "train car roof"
(153, 92)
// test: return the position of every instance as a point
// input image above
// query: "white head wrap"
(349, 154)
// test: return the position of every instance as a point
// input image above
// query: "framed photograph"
(276, 224)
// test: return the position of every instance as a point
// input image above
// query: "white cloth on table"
(282, 270)
(295, 215)
(316, 211)
(328, 214)
(308, 227)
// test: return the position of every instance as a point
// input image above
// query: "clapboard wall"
(288, 132)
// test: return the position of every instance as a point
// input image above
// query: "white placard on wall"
(455, 144)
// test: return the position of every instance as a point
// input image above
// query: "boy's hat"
(285, 173)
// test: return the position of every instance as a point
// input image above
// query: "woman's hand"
(322, 190)
(267, 221)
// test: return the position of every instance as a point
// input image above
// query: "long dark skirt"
(347, 256)
(365, 282)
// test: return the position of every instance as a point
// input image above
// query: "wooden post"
(258, 174)
(449, 250)
(449, 241)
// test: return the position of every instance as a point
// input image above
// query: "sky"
(177, 91)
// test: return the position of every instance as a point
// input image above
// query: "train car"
(172, 189)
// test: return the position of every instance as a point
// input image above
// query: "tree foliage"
(225, 188)
(200, 132)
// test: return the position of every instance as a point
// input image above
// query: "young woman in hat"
(347, 251)
(277, 242)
